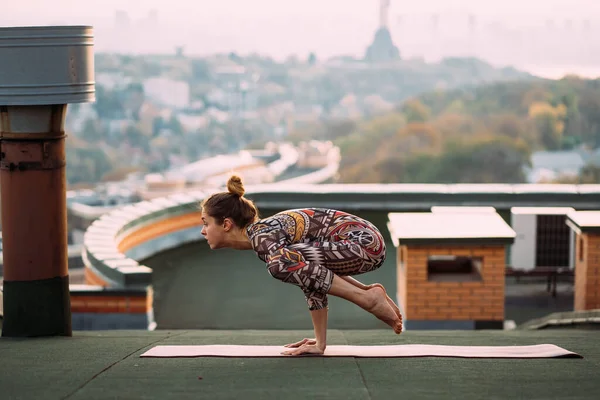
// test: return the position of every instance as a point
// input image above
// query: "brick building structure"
(586, 225)
(451, 267)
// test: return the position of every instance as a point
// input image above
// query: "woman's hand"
(305, 346)
(303, 341)
(312, 346)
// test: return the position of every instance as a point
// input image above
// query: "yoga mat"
(403, 350)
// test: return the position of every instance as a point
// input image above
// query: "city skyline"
(507, 34)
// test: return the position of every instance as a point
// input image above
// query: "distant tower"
(435, 22)
(472, 34)
(435, 26)
(472, 23)
(382, 49)
(384, 12)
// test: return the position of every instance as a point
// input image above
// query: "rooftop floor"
(94, 365)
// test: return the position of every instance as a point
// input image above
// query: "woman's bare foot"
(380, 308)
(389, 300)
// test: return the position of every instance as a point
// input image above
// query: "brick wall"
(401, 276)
(425, 300)
(99, 308)
(95, 303)
(587, 272)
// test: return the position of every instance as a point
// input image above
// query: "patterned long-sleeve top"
(310, 225)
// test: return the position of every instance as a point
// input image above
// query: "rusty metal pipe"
(33, 179)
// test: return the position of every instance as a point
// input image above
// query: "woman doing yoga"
(316, 249)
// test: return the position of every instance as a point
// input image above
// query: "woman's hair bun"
(235, 186)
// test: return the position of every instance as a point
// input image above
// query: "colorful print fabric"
(306, 247)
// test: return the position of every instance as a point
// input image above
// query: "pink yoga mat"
(403, 350)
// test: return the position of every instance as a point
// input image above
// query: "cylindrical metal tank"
(46, 65)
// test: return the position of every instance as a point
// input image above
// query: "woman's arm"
(312, 346)
(319, 320)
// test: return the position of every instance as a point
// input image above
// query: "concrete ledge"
(438, 325)
(421, 197)
(103, 241)
(79, 290)
(164, 243)
(572, 319)
(104, 321)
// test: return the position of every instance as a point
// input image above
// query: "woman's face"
(213, 232)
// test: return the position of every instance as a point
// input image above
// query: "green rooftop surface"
(106, 365)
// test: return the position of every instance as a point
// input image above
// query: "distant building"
(382, 49)
(549, 165)
(314, 154)
(168, 92)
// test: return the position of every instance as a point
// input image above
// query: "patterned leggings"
(311, 266)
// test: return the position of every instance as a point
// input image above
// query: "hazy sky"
(301, 9)
(282, 27)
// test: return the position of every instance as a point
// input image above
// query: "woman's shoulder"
(263, 225)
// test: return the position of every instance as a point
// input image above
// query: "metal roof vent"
(44, 65)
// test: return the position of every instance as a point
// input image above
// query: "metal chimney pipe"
(42, 69)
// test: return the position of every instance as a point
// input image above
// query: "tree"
(508, 125)
(589, 107)
(414, 138)
(86, 164)
(455, 124)
(549, 121)
(415, 111)
(483, 160)
(589, 174)
(136, 138)
(107, 105)
(92, 131)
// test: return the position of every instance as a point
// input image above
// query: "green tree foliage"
(86, 164)
(481, 160)
(590, 174)
(108, 105)
(415, 111)
(92, 131)
(589, 109)
(474, 135)
(549, 122)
